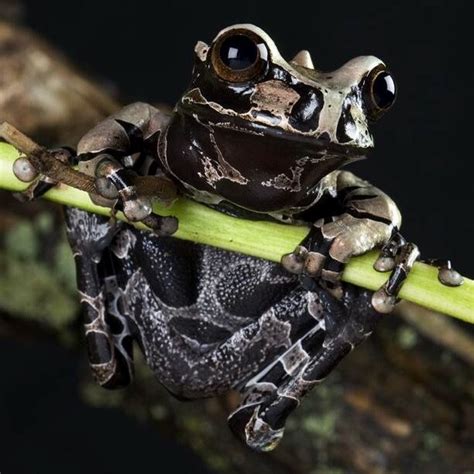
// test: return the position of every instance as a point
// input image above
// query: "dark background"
(423, 159)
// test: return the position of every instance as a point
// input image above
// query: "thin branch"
(266, 240)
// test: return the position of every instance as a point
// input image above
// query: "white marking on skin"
(201, 49)
(211, 173)
(197, 194)
(294, 359)
(273, 330)
(275, 97)
(293, 184)
(259, 391)
(97, 303)
(260, 434)
(329, 183)
(194, 96)
(122, 244)
(315, 308)
(231, 126)
(296, 388)
(223, 170)
(331, 113)
(228, 171)
(283, 215)
(256, 379)
(282, 181)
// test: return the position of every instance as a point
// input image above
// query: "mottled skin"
(264, 141)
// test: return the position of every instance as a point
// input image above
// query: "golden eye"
(239, 56)
(380, 91)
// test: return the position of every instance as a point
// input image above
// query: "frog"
(258, 137)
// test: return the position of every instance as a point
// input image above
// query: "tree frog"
(253, 136)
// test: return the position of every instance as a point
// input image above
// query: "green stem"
(267, 240)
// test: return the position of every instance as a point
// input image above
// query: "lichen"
(21, 242)
(31, 287)
(322, 426)
(407, 337)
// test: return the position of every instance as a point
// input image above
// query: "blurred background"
(402, 403)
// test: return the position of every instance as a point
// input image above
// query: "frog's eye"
(239, 56)
(380, 92)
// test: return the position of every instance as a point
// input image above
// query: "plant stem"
(266, 240)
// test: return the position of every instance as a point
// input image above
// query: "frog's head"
(262, 132)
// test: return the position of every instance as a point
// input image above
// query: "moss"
(317, 418)
(328, 470)
(64, 266)
(322, 426)
(44, 222)
(218, 463)
(159, 412)
(194, 424)
(30, 287)
(21, 242)
(407, 337)
(97, 396)
(30, 290)
(431, 441)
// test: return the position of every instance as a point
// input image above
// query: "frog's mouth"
(243, 123)
(317, 145)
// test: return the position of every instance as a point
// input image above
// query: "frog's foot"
(134, 193)
(447, 275)
(251, 424)
(399, 259)
(399, 256)
(122, 188)
(314, 257)
(39, 184)
(330, 244)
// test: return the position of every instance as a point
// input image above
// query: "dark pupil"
(384, 90)
(239, 52)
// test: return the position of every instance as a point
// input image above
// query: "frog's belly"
(202, 292)
(186, 300)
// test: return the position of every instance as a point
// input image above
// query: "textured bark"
(42, 94)
(401, 403)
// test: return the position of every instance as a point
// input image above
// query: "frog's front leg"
(107, 332)
(367, 221)
(120, 156)
(120, 153)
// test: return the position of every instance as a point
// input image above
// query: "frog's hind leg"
(108, 336)
(276, 391)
